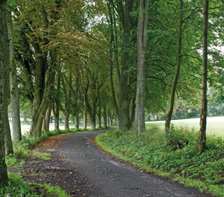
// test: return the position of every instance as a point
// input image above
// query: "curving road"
(110, 177)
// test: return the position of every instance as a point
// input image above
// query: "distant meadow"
(215, 125)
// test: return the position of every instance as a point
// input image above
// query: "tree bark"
(141, 75)
(172, 97)
(15, 110)
(46, 121)
(57, 102)
(66, 121)
(8, 137)
(124, 9)
(4, 65)
(93, 116)
(77, 108)
(132, 109)
(114, 100)
(38, 104)
(41, 108)
(77, 121)
(105, 115)
(203, 116)
(84, 115)
(99, 113)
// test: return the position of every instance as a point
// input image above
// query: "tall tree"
(56, 106)
(67, 89)
(4, 66)
(36, 54)
(174, 85)
(8, 137)
(203, 116)
(141, 74)
(14, 92)
(125, 72)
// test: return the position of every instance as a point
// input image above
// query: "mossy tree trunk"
(4, 66)
(46, 121)
(141, 74)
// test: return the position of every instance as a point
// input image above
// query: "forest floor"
(82, 169)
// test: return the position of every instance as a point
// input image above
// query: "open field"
(26, 127)
(215, 125)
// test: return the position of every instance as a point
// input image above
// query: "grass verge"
(18, 187)
(177, 157)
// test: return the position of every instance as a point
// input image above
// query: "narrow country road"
(109, 177)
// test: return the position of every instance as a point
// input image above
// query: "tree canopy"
(78, 59)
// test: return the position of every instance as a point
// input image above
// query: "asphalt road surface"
(111, 177)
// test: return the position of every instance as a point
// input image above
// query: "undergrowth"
(177, 157)
(18, 187)
(23, 150)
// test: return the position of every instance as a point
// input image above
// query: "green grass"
(215, 125)
(40, 155)
(177, 157)
(18, 187)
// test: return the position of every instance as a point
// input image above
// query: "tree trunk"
(4, 65)
(57, 102)
(172, 97)
(85, 116)
(99, 113)
(8, 138)
(68, 95)
(109, 121)
(77, 121)
(105, 115)
(141, 75)
(124, 120)
(15, 111)
(125, 9)
(93, 116)
(93, 123)
(39, 111)
(39, 89)
(114, 100)
(66, 121)
(203, 116)
(46, 121)
(132, 110)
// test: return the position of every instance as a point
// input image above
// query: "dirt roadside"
(56, 172)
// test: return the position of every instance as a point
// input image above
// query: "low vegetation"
(23, 150)
(18, 187)
(177, 157)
